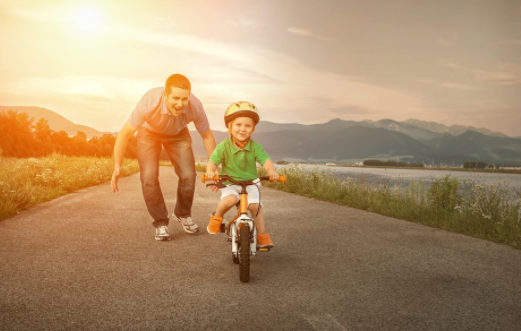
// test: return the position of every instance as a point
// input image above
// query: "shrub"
(443, 193)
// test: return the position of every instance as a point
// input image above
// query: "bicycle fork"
(234, 234)
(243, 220)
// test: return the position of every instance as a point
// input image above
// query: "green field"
(27, 182)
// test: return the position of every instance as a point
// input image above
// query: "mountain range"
(344, 141)
(412, 141)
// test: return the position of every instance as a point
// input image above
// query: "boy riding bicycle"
(239, 156)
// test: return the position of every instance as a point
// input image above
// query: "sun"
(87, 18)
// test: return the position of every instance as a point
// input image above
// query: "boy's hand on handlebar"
(210, 176)
(274, 176)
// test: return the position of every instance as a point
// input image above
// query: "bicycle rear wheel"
(244, 259)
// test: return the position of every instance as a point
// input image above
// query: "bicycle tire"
(244, 261)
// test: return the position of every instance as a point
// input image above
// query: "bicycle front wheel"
(244, 260)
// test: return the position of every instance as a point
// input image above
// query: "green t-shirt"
(239, 164)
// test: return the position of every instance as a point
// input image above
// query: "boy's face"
(242, 128)
(176, 100)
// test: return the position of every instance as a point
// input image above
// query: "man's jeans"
(179, 150)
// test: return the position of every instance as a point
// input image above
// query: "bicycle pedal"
(264, 249)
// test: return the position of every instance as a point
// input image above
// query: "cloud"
(451, 65)
(284, 88)
(503, 78)
(422, 80)
(334, 107)
(458, 86)
(302, 32)
(307, 33)
(243, 23)
(443, 42)
(498, 77)
(94, 86)
(353, 110)
(162, 23)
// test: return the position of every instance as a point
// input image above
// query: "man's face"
(242, 128)
(176, 100)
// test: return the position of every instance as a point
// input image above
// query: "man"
(160, 118)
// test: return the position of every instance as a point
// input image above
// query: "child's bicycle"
(242, 233)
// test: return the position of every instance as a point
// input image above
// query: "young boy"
(238, 156)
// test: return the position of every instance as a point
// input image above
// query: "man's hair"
(177, 80)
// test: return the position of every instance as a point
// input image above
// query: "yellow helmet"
(241, 109)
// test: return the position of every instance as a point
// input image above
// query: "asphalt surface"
(89, 261)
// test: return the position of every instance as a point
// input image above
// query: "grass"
(27, 182)
(469, 207)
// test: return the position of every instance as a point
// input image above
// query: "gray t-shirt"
(151, 113)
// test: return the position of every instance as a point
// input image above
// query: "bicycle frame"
(242, 247)
(242, 219)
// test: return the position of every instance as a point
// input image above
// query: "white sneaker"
(162, 233)
(187, 223)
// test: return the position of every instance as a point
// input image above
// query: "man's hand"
(120, 146)
(115, 177)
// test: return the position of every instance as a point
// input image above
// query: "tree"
(16, 132)
(80, 146)
(61, 142)
(474, 165)
(43, 134)
(20, 138)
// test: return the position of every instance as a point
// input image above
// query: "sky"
(300, 61)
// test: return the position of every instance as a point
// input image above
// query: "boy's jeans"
(179, 150)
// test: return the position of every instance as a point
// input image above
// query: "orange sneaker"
(264, 240)
(214, 227)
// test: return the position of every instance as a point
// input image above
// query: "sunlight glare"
(87, 18)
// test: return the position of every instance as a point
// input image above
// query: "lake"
(391, 176)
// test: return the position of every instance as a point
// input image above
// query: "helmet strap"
(239, 144)
(235, 142)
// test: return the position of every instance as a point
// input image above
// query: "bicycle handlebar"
(204, 178)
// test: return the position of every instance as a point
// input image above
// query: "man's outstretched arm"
(119, 152)
(209, 142)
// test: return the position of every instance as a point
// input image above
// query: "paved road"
(88, 261)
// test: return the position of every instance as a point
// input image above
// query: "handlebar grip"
(205, 178)
(282, 179)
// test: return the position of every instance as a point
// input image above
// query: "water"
(391, 176)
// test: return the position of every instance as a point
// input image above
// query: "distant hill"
(56, 121)
(347, 141)
(480, 146)
(418, 130)
(357, 142)
(350, 141)
(455, 130)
